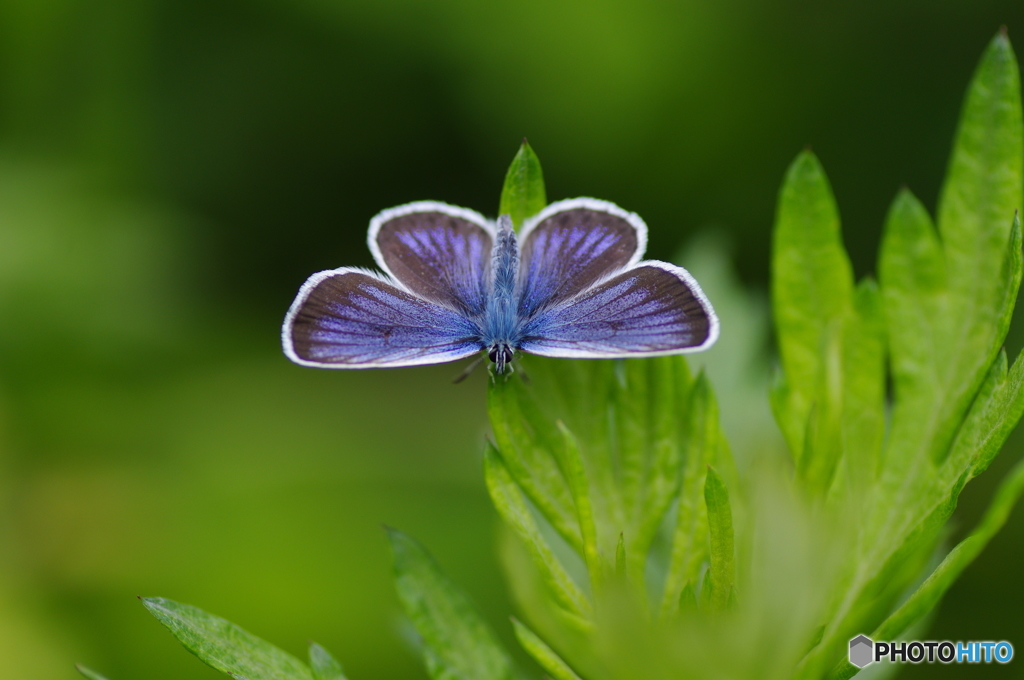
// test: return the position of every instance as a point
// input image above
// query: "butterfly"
(570, 284)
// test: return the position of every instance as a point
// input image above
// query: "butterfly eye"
(501, 355)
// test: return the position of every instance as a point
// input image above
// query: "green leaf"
(812, 285)
(542, 654)
(985, 179)
(930, 592)
(687, 600)
(458, 644)
(651, 406)
(944, 346)
(948, 295)
(529, 439)
(224, 646)
(912, 269)
(707, 593)
(89, 673)
(863, 415)
(823, 438)
(573, 465)
(927, 596)
(511, 505)
(620, 560)
(723, 551)
(324, 666)
(690, 537)
(627, 418)
(523, 195)
(995, 412)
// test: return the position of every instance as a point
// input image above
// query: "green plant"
(637, 548)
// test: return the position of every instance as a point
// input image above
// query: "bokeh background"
(170, 172)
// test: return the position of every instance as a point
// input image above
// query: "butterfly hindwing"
(437, 251)
(350, 318)
(570, 246)
(652, 309)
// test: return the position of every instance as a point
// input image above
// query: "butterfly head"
(501, 354)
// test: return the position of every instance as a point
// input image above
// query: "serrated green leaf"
(224, 646)
(511, 505)
(812, 284)
(948, 302)
(947, 294)
(944, 342)
(523, 194)
(325, 666)
(542, 653)
(89, 673)
(723, 550)
(458, 643)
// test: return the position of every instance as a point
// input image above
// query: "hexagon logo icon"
(860, 651)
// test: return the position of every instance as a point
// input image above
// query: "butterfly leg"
(469, 369)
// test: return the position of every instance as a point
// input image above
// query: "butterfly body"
(502, 325)
(570, 284)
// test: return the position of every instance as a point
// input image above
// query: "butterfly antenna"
(469, 369)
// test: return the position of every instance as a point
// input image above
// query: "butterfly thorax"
(501, 329)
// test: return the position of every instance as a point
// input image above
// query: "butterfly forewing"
(570, 246)
(347, 318)
(437, 251)
(652, 309)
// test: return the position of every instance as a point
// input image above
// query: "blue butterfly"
(570, 284)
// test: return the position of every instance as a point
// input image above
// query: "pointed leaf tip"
(88, 672)
(805, 163)
(812, 284)
(523, 193)
(224, 646)
(325, 666)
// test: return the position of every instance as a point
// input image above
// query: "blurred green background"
(170, 172)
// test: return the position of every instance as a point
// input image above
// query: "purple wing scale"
(349, 318)
(652, 309)
(437, 251)
(572, 245)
